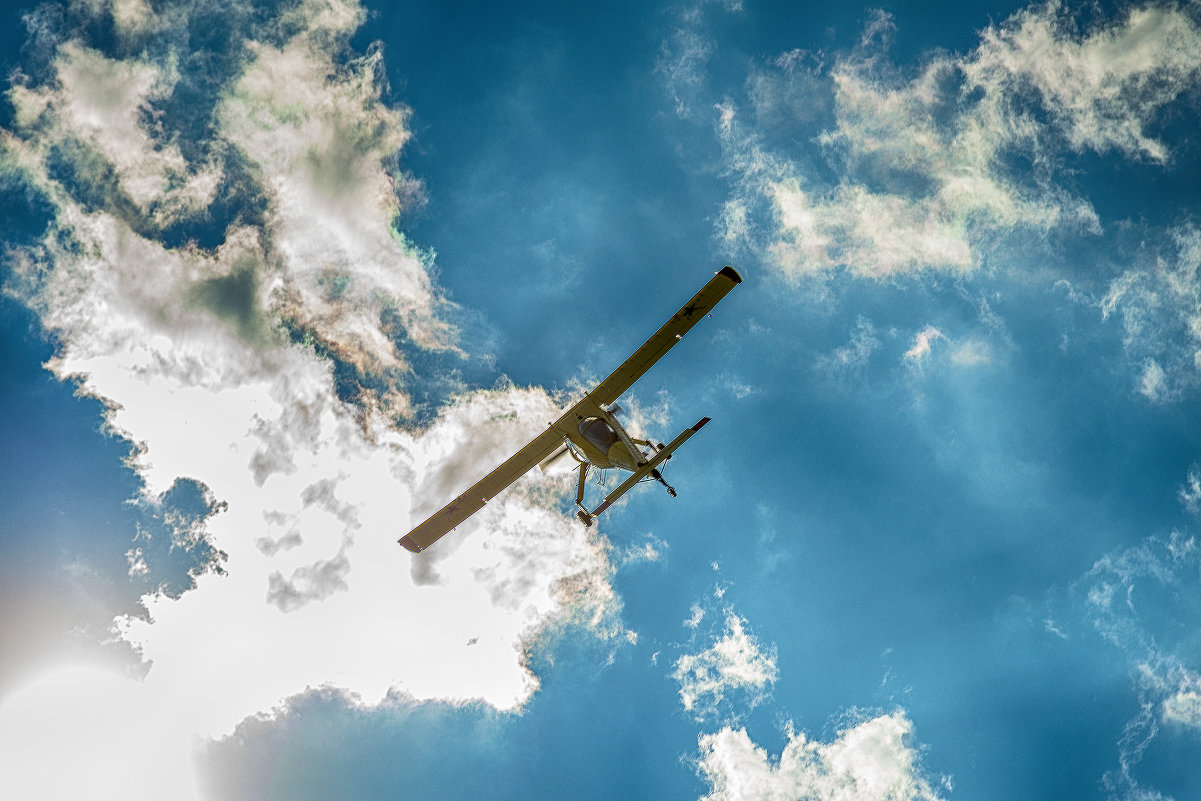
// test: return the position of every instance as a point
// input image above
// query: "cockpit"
(598, 433)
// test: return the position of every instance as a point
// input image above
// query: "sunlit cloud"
(839, 163)
(736, 664)
(1101, 90)
(869, 761)
(1183, 708)
(922, 343)
(213, 284)
(81, 732)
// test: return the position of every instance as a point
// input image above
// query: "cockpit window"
(599, 433)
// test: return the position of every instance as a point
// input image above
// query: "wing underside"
(590, 405)
(484, 490)
(662, 341)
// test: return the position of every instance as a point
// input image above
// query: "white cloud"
(921, 181)
(81, 732)
(1159, 305)
(736, 663)
(1126, 601)
(971, 353)
(653, 550)
(1183, 708)
(1153, 385)
(870, 761)
(208, 360)
(137, 562)
(1190, 493)
(683, 58)
(1101, 90)
(922, 342)
(965, 353)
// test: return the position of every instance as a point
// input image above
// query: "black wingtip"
(731, 273)
(701, 424)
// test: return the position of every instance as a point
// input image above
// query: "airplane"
(590, 432)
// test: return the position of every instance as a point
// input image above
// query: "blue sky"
(280, 279)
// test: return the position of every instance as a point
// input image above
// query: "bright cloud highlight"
(226, 364)
(870, 761)
(924, 163)
(736, 663)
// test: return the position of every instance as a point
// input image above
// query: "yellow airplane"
(589, 431)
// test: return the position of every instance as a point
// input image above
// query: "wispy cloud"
(1159, 305)
(840, 163)
(736, 664)
(683, 57)
(1101, 90)
(922, 343)
(854, 355)
(1125, 603)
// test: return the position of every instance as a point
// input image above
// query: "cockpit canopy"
(599, 433)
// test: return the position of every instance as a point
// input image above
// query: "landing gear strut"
(657, 476)
(583, 514)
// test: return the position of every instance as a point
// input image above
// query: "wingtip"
(731, 273)
(410, 544)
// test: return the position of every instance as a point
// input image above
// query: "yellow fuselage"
(601, 444)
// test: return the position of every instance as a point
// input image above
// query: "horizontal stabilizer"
(646, 469)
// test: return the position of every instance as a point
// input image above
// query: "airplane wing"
(662, 341)
(605, 393)
(481, 492)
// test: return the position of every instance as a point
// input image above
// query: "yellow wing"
(481, 492)
(672, 332)
(605, 393)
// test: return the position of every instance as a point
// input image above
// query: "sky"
(281, 279)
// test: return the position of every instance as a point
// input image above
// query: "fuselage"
(605, 444)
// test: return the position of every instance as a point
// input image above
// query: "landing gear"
(584, 516)
(657, 476)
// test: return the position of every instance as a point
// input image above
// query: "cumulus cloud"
(222, 252)
(736, 664)
(869, 761)
(112, 721)
(842, 164)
